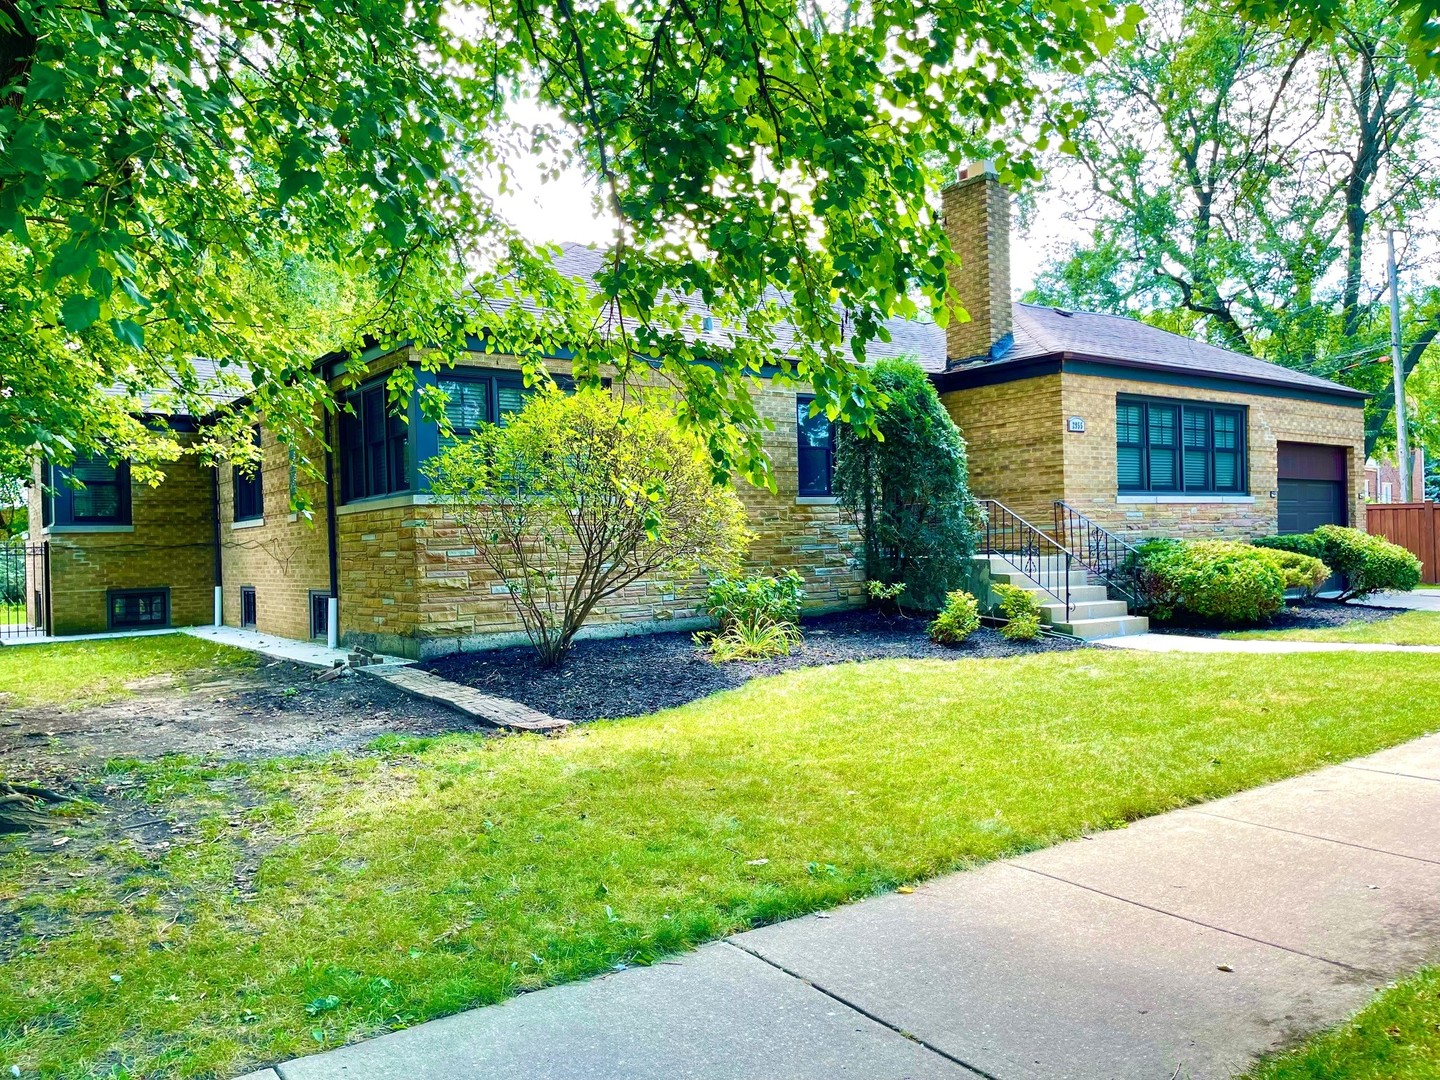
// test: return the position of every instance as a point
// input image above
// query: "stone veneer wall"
(1089, 460)
(1014, 437)
(411, 581)
(170, 544)
(285, 555)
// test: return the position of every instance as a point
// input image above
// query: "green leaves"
(79, 312)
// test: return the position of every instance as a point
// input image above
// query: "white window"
(1387, 492)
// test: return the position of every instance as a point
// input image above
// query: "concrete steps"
(1092, 614)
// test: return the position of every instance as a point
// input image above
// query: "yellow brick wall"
(170, 545)
(977, 222)
(1090, 478)
(284, 557)
(1014, 438)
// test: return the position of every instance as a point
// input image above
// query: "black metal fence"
(1030, 550)
(24, 589)
(1104, 555)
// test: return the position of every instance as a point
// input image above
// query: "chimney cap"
(984, 167)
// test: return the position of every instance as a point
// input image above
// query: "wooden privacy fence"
(1414, 526)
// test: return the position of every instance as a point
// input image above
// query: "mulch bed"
(1298, 615)
(637, 675)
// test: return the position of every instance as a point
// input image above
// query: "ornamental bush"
(579, 496)
(1303, 572)
(957, 620)
(1223, 581)
(908, 489)
(1369, 563)
(1021, 611)
(731, 600)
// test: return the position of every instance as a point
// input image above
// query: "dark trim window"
(374, 446)
(815, 448)
(138, 608)
(475, 398)
(249, 490)
(319, 614)
(103, 500)
(1179, 447)
(248, 608)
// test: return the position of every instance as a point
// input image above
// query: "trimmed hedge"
(1303, 572)
(1222, 581)
(1369, 563)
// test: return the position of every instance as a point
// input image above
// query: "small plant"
(958, 619)
(1021, 611)
(749, 600)
(759, 640)
(885, 598)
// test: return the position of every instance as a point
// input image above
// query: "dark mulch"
(637, 675)
(1298, 615)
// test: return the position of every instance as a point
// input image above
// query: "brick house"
(1145, 432)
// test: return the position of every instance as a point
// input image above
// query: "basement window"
(139, 609)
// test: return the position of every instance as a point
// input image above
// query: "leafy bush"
(735, 600)
(1300, 543)
(907, 485)
(577, 497)
(1369, 563)
(1021, 628)
(1021, 611)
(1222, 581)
(885, 598)
(1303, 572)
(957, 620)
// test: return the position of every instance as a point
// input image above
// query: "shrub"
(760, 639)
(734, 600)
(957, 620)
(1021, 628)
(1223, 581)
(885, 598)
(577, 497)
(907, 486)
(1300, 543)
(1369, 563)
(1303, 572)
(1021, 611)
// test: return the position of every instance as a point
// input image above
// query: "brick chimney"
(976, 211)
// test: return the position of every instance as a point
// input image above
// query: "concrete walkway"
(1186, 643)
(280, 648)
(1182, 946)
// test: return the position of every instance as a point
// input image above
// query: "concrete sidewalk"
(1184, 945)
(1196, 644)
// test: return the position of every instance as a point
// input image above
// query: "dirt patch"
(1309, 615)
(637, 675)
(277, 708)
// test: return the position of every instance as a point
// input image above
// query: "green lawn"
(87, 672)
(1407, 628)
(368, 891)
(1396, 1037)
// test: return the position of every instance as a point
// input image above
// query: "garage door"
(1311, 488)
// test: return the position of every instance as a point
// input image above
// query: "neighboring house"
(1382, 479)
(1145, 432)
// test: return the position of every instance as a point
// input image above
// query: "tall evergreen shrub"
(909, 489)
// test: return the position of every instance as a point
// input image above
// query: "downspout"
(215, 519)
(332, 614)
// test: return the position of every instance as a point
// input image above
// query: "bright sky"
(564, 210)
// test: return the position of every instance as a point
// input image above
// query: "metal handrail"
(1030, 550)
(1105, 555)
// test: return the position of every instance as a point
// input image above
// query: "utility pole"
(1397, 361)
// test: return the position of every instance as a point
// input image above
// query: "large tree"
(162, 161)
(1243, 177)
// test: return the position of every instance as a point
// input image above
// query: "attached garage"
(1311, 489)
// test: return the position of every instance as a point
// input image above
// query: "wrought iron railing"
(24, 581)
(1104, 555)
(1030, 550)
